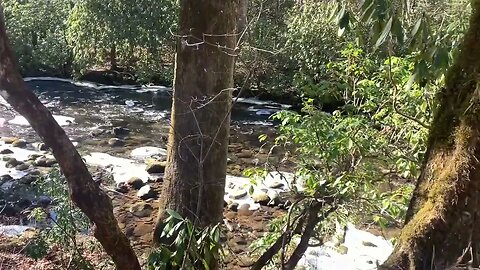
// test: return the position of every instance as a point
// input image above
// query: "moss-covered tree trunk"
(84, 192)
(197, 149)
(442, 227)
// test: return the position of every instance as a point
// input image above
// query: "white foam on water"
(364, 251)
(13, 230)
(153, 88)
(142, 153)
(255, 101)
(139, 89)
(61, 120)
(122, 169)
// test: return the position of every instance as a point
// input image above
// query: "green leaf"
(441, 59)
(367, 10)
(174, 214)
(385, 33)
(341, 14)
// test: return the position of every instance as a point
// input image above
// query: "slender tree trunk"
(84, 192)
(113, 56)
(197, 149)
(442, 226)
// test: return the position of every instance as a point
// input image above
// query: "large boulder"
(156, 167)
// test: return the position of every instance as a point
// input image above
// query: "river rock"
(27, 179)
(40, 161)
(50, 162)
(12, 163)
(135, 182)
(115, 142)
(245, 154)
(34, 156)
(6, 151)
(233, 206)
(156, 167)
(239, 240)
(45, 162)
(261, 198)
(22, 167)
(141, 209)
(276, 184)
(97, 132)
(40, 146)
(238, 194)
(19, 143)
(5, 178)
(245, 261)
(120, 131)
(9, 140)
(122, 188)
(146, 192)
(244, 210)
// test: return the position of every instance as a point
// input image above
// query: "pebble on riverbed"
(146, 192)
(115, 142)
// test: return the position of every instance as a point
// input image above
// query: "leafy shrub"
(186, 246)
(65, 221)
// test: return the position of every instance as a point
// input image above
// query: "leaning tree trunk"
(85, 193)
(197, 149)
(442, 228)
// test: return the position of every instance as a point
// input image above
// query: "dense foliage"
(70, 37)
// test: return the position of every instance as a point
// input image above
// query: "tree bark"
(84, 192)
(442, 227)
(197, 149)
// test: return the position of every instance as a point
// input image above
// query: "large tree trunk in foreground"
(197, 150)
(442, 228)
(85, 193)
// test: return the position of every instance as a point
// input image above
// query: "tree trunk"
(442, 227)
(197, 149)
(84, 192)
(113, 56)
